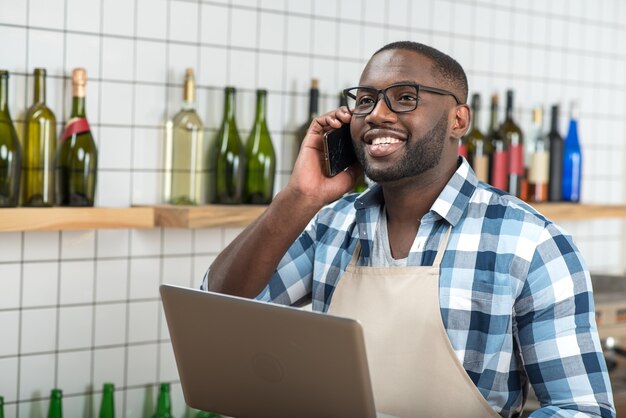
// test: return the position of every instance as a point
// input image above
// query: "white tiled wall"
(81, 308)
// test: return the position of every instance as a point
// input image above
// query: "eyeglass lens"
(362, 100)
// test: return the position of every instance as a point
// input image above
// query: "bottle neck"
(509, 107)
(229, 104)
(4, 93)
(40, 87)
(554, 120)
(314, 95)
(493, 121)
(78, 107)
(261, 101)
(475, 119)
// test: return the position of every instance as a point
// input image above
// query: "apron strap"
(442, 247)
(440, 251)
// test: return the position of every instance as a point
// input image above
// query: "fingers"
(331, 120)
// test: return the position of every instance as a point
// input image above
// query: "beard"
(419, 156)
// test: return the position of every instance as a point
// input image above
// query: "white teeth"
(379, 141)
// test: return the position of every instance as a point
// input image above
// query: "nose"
(381, 112)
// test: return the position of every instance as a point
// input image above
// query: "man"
(466, 294)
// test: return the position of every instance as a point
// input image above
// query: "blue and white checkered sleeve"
(292, 280)
(557, 332)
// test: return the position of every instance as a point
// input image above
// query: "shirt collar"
(450, 204)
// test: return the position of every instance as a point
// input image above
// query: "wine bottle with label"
(478, 148)
(39, 148)
(556, 156)
(55, 408)
(10, 149)
(499, 162)
(77, 157)
(260, 157)
(514, 145)
(107, 405)
(227, 157)
(572, 160)
(314, 95)
(164, 402)
(186, 174)
(539, 167)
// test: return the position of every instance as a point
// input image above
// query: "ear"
(461, 121)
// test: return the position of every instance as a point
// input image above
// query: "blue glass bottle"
(572, 160)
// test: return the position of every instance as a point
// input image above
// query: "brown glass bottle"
(499, 162)
(514, 145)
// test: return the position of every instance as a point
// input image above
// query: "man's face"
(392, 146)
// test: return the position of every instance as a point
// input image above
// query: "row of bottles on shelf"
(224, 171)
(543, 167)
(107, 404)
(42, 172)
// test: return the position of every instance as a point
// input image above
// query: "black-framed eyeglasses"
(399, 97)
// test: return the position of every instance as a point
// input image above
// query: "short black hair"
(446, 67)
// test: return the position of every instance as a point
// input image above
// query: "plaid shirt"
(514, 292)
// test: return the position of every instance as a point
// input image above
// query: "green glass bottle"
(479, 150)
(55, 408)
(40, 143)
(227, 157)
(164, 402)
(77, 157)
(107, 406)
(1, 407)
(314, 100)
(10, 149)
(260, 158)
(202, 414)
(185, 172)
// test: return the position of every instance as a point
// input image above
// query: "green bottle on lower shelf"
(107, 406)
(1, 407)
(164, 402)
(204, 414)
(55, 409)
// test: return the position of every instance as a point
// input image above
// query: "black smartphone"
(338, 150)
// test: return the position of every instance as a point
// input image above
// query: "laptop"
(245, 358)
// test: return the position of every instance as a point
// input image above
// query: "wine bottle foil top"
(190, 86)
(79, 82)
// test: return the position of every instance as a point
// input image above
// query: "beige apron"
(413, 367)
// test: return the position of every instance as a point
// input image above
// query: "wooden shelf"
(65, 218)
(172, 216)
(578, 212)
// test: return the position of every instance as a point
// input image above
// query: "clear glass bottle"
(539, 167)
(186, 174)
(77, 157)
(39, 148)
(260, 157)
(10, 149)
(572, 160)
(227, 157)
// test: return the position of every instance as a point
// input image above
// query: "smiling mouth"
(384, 146)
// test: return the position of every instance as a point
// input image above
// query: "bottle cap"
(79, 82)
(190, 86)
(314, 83)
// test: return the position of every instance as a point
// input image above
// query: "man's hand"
(308, 179)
